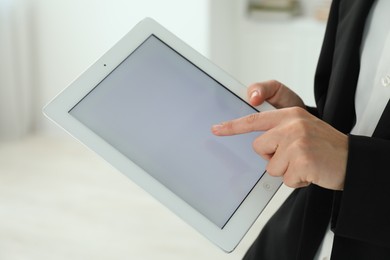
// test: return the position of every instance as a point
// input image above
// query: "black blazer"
(360, 215)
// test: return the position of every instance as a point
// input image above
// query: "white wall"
(72, 34)
(255, 50)
(60, 39)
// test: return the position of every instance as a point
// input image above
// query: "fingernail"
(216, 128)
(255, 94)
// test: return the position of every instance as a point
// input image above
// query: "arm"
(361, 162)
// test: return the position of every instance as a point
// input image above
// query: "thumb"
(275, 93)
(263, 91)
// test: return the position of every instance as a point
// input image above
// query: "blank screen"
(157, 109)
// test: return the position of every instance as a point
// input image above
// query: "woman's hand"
(299, 147)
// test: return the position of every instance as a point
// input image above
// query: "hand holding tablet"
(146, 106)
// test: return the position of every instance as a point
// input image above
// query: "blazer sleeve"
(362, 210)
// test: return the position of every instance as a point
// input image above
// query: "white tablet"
(147, 107)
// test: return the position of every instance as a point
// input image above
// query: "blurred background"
(58, 200)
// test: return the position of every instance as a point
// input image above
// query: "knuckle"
(297, 111)
(304, 143)
(287, 180)
(297, 128)
(251, 118)
(301, 127)
(275, 82)
(271, 171)
(302, 146)
(256, 145)
(279, 85)
(294, 182)
(305, 161)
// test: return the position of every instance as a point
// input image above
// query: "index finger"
(262, 121)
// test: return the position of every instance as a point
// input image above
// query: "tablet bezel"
(58, 109)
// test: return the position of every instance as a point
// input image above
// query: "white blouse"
(373, 88)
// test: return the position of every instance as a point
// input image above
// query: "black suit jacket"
(360, 214)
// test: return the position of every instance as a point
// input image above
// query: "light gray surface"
(58, 200)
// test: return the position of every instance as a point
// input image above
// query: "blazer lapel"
(336, 96)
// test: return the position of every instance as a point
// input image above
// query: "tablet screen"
(157, 109)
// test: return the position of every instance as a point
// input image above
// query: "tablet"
(147, 107)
